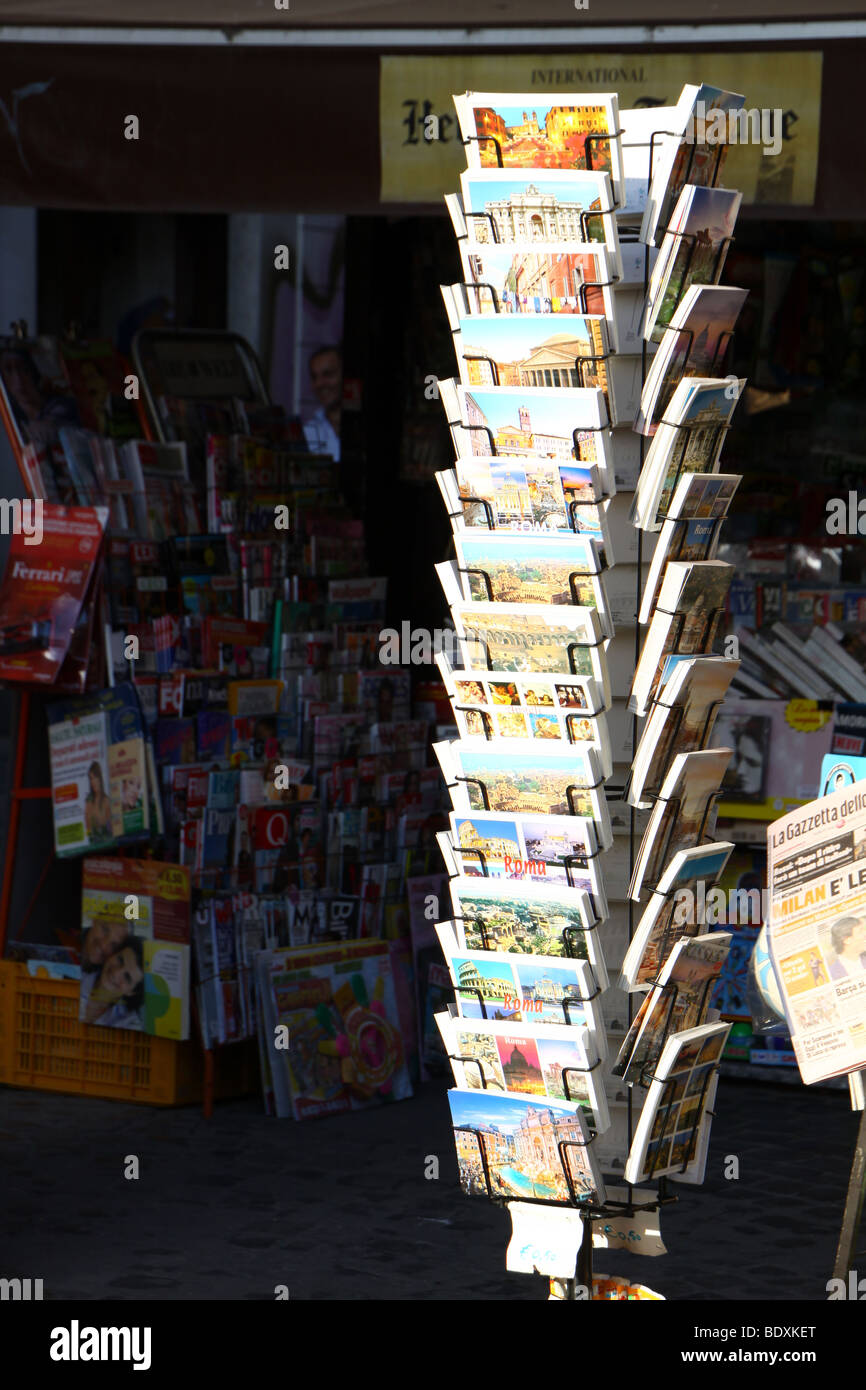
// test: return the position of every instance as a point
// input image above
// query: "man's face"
(326, 379)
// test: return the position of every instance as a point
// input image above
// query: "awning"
(230, 126)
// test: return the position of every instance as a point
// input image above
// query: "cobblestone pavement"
(339, 1208)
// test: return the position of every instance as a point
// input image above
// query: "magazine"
(681, 720)
(817, 930)
(507, 132)
(683, 815)
(43, 589)
(339, 1006)
(481, 776)
(533, 638)
(676, 909)
(530, 917)
(694, 344)
(778, 752)
(518, 1059)
(37, 399)
(846, 761)
(693, 251)
(135, 925)
(508, 1146)
(507, 706)
(530, 421)
(688, 440)
(690, 606)
(672, 1131)
(688, 159)
(532, 277)
(98, 755)
(691, 531)
(678, 1000)
(553, 849)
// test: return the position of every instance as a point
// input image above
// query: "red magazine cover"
(43, 591)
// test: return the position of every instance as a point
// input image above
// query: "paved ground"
(340, 1208)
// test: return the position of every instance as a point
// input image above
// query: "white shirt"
(321, 436)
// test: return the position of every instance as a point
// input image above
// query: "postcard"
(577, 130)
(528, 495)
(681, 720)
(544, 780)
(503, 568)
(668, 1134)
(688, 160)
(683, 814)
(692, 529)
(556, 1063)
(510, 705)
(532, 277)
(568, 353)
(694, 345)
(533, 639)
(689, 440)
(511, 987)
(690, 607)
(673, 911)
(678, 1000)
(546, 849)
(531, 421)
(538, 918)
(693, 251)
(511, 1146)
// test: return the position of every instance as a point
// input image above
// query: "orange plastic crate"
(44, 1047)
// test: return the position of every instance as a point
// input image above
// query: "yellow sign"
(418, 170)
(807, 716)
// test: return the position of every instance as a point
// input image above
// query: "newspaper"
(817, 930)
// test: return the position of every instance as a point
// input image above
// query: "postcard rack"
(569, 951)
(481, 1176)
(670, 991)
(691, 239)
(701, 1112)
(701, 742)
(676, 802)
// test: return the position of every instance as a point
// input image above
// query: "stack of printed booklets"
(590, 336)
(242, 767)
